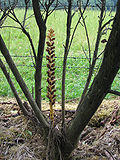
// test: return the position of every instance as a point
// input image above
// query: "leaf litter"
(20, 139)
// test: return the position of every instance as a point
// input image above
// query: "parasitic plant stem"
(51, 71)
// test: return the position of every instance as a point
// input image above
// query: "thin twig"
(87, 36)
(75, 28)
(101, 19)
(47, 9)
(114, 92)
(28, 17)
(24, 31)
(108, 22)
(11, 27)
(32, 59)
(85, 54)
(25, 16)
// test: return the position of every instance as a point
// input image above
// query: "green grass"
(77, 71)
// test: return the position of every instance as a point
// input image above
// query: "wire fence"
(61, 58)
(76, 72)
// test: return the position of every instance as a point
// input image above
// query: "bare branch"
(23, 86)
(100, 54)
(48, 10)
(2, 66)
(100, 86)
(108, 22)
(41, 22)
(41, 44)
(75, 28)
(28, 17)
(3, 17)
(32, 59)
(69, 20)
(14, 17)
(101, 18)
(25, 16)
(86, 55)
(114, 92)
(87, 36)
(67, 48)
(11, 27)
(38, 15)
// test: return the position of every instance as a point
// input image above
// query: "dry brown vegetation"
(20, 139)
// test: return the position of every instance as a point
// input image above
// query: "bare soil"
(20, 139)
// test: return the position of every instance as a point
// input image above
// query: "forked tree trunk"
(97, 92)
(99, 88)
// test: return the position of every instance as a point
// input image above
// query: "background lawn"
(77, 64)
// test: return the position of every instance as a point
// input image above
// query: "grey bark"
(42, 36)
(99, 88)
(69, 20)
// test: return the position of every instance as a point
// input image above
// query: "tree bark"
(38, 72)
(42, 31)
(99, 88)
(69, 20)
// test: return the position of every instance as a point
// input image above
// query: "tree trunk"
(99, 88)
(69, 20)
(38, 72)
(42, 30)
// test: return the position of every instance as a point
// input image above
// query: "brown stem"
(38, 72)
(69, 19)
(42, 30)
(87, 36)
(51, 72)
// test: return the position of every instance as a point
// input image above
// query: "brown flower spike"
(51, 71)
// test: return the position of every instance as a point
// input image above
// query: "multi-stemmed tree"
(62, 141)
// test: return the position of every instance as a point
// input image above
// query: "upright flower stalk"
(51, 71)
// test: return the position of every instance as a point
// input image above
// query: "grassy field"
(77, 64)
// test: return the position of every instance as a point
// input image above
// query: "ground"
(20, 139)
